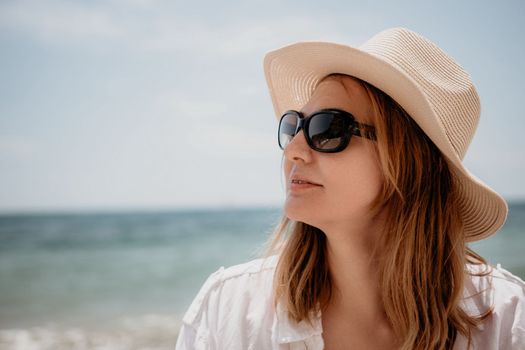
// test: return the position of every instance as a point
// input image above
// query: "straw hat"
(435, 90)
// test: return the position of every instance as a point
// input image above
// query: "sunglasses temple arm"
(364, 130)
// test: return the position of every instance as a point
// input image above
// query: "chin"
(300, 212)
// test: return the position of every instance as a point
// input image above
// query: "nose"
(298, 149)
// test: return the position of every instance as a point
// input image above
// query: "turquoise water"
(507, 246)
(123, 280)
(114, 281)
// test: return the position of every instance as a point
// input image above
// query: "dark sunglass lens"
(287, 128)
(327, 131)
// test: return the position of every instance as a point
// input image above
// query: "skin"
(351, 180)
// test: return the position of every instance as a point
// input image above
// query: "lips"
(303, 180)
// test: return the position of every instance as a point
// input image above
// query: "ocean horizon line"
(138, 210)
(42, 211)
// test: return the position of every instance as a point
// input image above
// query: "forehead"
(346, 94)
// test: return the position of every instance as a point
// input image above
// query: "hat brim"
(293, 72)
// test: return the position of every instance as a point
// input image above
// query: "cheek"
(287, 166)
(358, 184)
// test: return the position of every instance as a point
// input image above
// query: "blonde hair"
(423, 248)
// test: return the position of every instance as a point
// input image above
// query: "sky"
(153, 105)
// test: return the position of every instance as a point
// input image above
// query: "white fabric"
(234, 310)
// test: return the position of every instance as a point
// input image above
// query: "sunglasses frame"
(356, 128)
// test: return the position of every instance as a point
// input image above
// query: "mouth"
(304, 182)
(298, 185)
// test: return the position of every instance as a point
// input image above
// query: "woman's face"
(350, 180)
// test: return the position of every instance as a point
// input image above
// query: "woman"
(371, 252)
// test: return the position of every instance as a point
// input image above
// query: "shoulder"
(494, 288)
(496, 283)
(238, 284)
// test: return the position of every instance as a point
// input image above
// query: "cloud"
(59, 20)
(155, 26)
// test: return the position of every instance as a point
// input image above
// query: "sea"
(123, 280)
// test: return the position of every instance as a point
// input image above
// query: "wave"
(152, 332)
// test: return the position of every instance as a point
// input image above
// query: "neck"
(352, 260)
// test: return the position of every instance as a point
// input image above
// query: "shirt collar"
(289, 331)
(286, 330)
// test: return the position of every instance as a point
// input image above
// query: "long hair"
(423, 248)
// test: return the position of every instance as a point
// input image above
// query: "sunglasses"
(327, 130)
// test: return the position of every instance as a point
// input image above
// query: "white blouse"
(234, 310)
